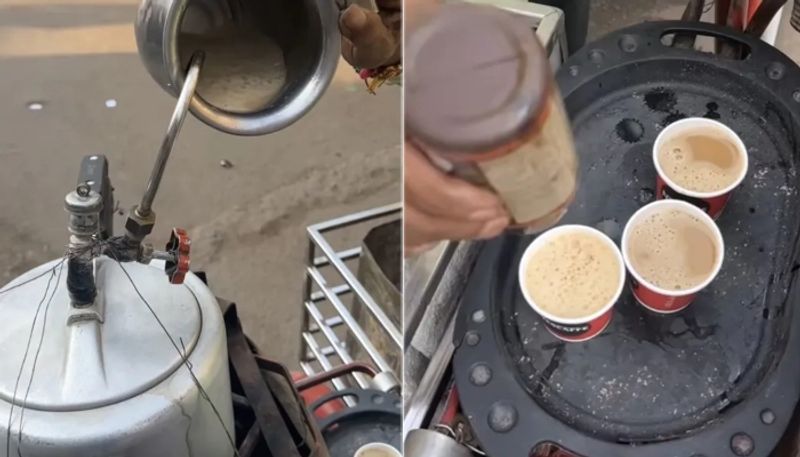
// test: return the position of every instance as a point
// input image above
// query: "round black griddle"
(719, 379)
(376, 417)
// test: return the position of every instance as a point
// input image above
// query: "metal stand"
(327, 320)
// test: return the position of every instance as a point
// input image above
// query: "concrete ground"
(72, 56)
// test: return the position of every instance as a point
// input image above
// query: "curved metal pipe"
(175, 124)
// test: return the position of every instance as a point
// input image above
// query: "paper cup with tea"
(377, 450)
(700, 161)
(673, 250)
(572, 276)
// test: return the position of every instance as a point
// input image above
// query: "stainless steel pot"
(428, 443)
(305, 30)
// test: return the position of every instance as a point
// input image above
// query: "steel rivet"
(479, 316)
(596, 56)
(472, 338)
(742, 444)
(573, 70)
(628, 43)
(775, 70)
(480, 374)
(83, 190)
(93, 158)
(377, 399)
(796, 96)
(502, 417)
(767, 416)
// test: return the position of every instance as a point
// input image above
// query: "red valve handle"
(179, 246)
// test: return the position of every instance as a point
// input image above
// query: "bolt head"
(742, 444)
(502, 417)
(139, 227)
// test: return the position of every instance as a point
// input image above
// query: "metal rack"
(327, 319)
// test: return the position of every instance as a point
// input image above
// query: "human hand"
(372, 40)
(440, 207)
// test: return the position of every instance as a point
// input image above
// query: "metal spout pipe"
(175, 124)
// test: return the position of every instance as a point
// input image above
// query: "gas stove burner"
(719, 377)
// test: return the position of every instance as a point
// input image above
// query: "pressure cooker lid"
(74, 362)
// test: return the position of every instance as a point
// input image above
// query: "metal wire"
(52, 272)
(36, 359)
(28, 281)
(448, 431)
(183, 357)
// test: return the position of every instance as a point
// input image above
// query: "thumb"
(367, 41)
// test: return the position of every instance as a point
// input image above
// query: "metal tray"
(719, 378)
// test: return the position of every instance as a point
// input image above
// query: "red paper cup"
(649, 295)
(711, 202)
(577, 329)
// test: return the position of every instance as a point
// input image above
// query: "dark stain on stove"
(773, 115)
(712, 112)
(630, 130)
(551, 367)
(661, 99)
(672, 117)
(646, 195)
(699, 331)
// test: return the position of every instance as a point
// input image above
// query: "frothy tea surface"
(244, 70)
(701, 161)
(572, 275)
(672, 249)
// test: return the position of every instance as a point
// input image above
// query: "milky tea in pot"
(266, 63)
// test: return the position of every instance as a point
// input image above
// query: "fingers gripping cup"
(572, 276)
(700, 161)
(673, 250)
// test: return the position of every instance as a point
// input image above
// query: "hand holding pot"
(442, 207)
(372, 39)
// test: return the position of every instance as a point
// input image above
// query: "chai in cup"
(377, 450)
(572, 276)
(672, 250)
(700, 161)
